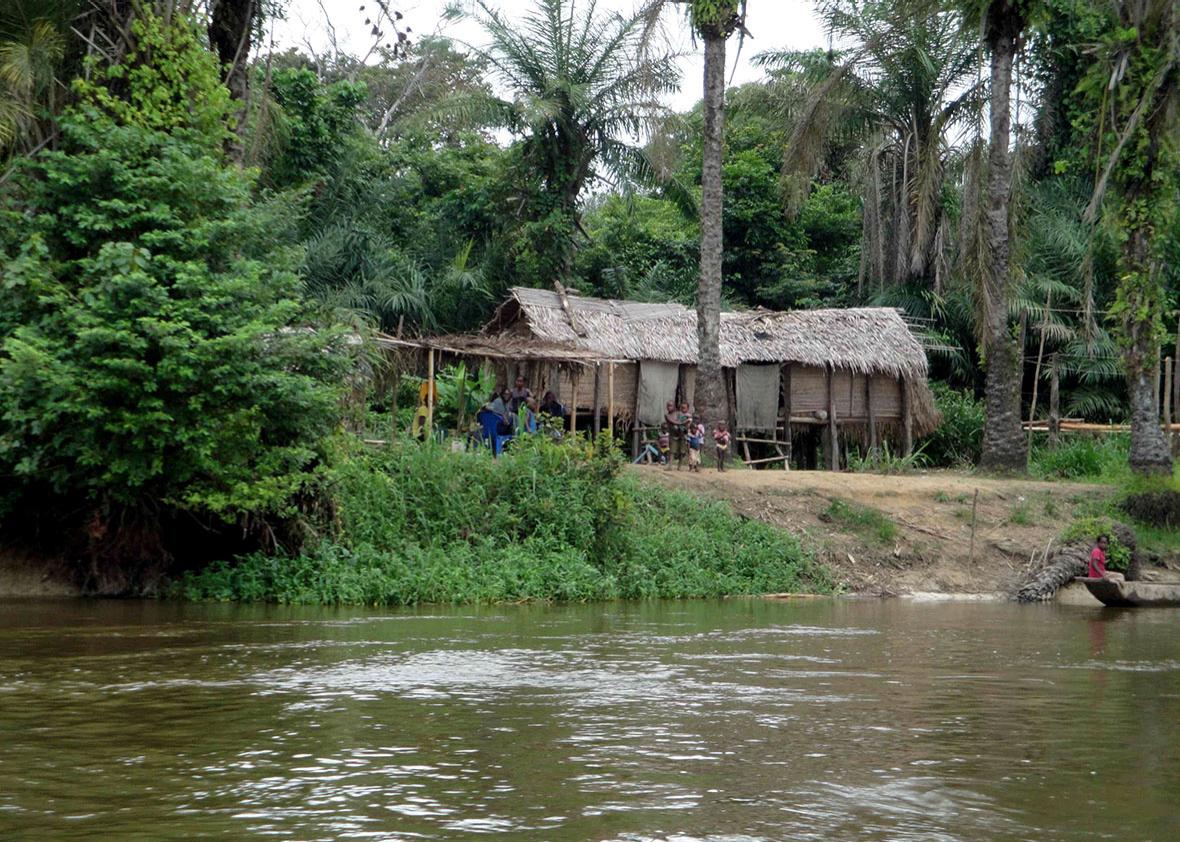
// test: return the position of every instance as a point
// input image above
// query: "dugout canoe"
(1132, 594)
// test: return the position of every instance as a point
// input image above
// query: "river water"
(738, 720)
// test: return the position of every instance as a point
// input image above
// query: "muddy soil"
(929, 547)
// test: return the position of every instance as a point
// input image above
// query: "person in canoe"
(1097, 567)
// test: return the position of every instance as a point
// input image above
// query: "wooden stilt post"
(1054, 404)
(833, 428)
(429, 392)
(596, 421)
(610, 399)
(871, 415)
(575, 377)
(907, 419)
(635, 422)
(786, 387)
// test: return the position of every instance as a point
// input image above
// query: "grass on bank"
(863, 520)
(417, 523)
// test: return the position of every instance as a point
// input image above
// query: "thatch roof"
(867, 340)
(496, 346)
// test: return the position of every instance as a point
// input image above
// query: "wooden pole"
(786, 387)
(596, 423)
(1155, 379)
(1054, 404)
(575, 376)
(610, 399)
(429, 392)
(871, 415)
(461, 414)
(1176, 393)
(1167, 397)
(833, 429)
(397, 382)
(907, 419)
(974, 506)
(1032, 409)
(635, 421)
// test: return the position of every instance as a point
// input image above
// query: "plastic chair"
(489, 423)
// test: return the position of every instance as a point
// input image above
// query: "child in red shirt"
(721, 440)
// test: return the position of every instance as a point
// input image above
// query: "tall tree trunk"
(1003, 439)
(1150, 453)
(710, 389)
(231, 26)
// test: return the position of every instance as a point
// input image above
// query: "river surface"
(728, 721)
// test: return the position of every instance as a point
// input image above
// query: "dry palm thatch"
(865, 340)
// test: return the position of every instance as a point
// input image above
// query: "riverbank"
(906, 534)
(410, 524)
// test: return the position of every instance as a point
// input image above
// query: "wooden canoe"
(1132, 594)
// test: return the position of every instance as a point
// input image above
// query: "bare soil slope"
(904, 534)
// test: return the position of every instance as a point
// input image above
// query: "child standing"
(721, 440)
(696, 441)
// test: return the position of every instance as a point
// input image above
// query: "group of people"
(518, 411)
(683, 434)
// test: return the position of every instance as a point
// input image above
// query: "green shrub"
(1083, 457)
(958, 439)
(548, 520)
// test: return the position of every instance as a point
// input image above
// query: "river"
(728, 721)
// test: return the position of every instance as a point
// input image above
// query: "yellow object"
(418, 425)
(423, 390)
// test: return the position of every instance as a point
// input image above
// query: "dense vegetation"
(198, 233)
(417, 523)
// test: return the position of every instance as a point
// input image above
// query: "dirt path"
(904, 534)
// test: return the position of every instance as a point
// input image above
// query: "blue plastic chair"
(489, 423)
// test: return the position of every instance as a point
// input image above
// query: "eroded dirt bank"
(894, 535)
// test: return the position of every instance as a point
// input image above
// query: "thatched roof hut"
(864, 340)
(856, 372)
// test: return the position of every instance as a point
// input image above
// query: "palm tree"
(904, 93)
(713, 21)
(1003, 435)
(31, 50)
(1134, 90)
(582, 83)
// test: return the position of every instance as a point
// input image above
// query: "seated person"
(1097, 567)
(498, 406)
(551, 406)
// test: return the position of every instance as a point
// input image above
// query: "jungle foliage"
(193, 249)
